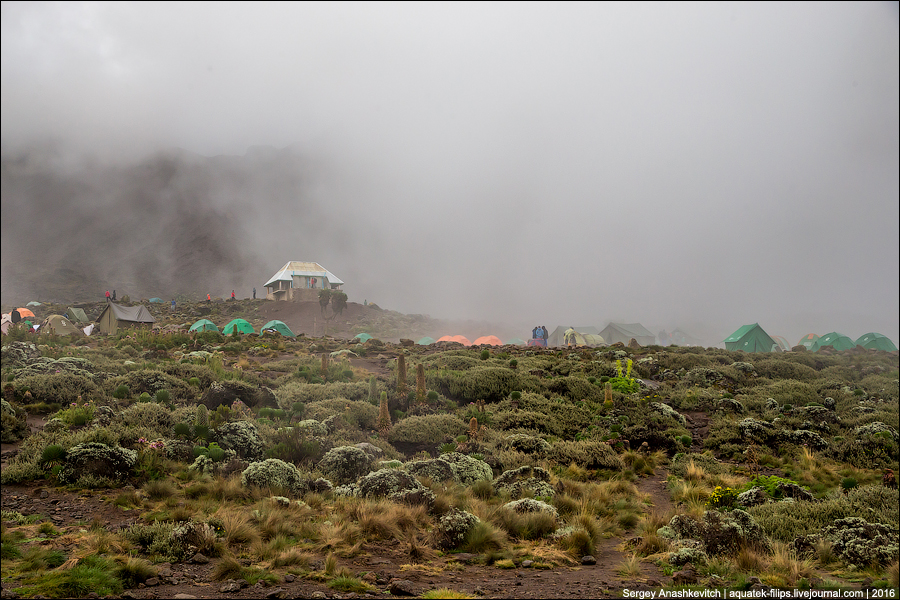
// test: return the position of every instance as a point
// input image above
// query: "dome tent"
(836, 340)
(782, 343)
(808, 340)
(203, 325)
(487, 340)
(876, 341)
(241, 325)
(279, 326)
(425, 341)
(362, 337)
(59, 325)
(459, 339)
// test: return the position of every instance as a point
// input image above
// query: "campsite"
(273, 449)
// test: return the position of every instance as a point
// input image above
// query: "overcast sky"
(701, 166)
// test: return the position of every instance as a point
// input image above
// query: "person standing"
(114, 294)
(545, 335)
(232, 295)
(173, 304)
(208, 298)
(108, 297)
(254, 293)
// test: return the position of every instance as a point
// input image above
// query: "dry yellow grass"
(785, 568)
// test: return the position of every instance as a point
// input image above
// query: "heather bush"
(276, 474)
(586, 454)
(469, 470)
(56, 389)
(152, 381)
(427, 429)
(243, 437)
(345, 464)
(356, 413)
(150, 415)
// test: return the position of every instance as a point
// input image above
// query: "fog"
(701, 166)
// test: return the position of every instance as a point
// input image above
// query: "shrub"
(526, 443)
(469, 470)
(721, 533)
(586, 454)
(274, 473)
(397, 486)
(356, 413)
(345, 464)
(242, 437)
(454, 528)
(151, 382)
(150, 415)
(56, 389)
(436, 469)
(427, 429)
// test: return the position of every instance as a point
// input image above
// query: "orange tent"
(455, 338)
(25, 313)
(489, 340)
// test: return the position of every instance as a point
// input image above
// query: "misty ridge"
(173, 224)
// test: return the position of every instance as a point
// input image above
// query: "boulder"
(224, 393)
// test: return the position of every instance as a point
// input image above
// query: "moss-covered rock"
(224, 393)
(758, 431)
(804, 437)
(97, 462)
(752, 497)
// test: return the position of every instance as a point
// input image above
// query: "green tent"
(876, 341)
(156, 300)
(278, 326)
(751, 338)
(241, 325)
(203, 325)
(426, 341)
(77, 315)
(836, 340)
(516, 342)
(33, 303)
(808, 340)
(362, 337)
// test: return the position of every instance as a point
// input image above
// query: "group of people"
(110, 298)
(540, 333)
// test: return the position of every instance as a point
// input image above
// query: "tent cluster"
(242, 326)
(752, 338)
